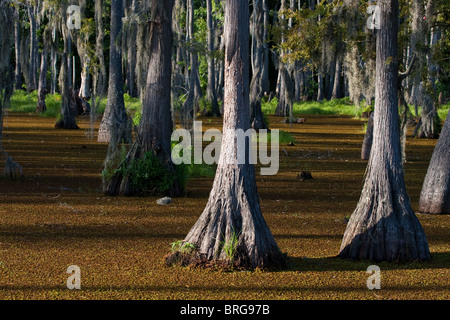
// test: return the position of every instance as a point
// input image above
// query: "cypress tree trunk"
(211, 87)
(69, 108)
(383, 226)
(115, 114)
(102, 76)
(257, 84)
(191, 106)
(32, 85)
(286, 89)
(42, 91)
(435, 195)
(155, 128)
(84, 92)
(67, 120)
(368, 139)
(320, 86)
(178, 58)
(219, 62)
(131, 56)
(233, 211)
(336, 93)
(18, 68)
(53, 63)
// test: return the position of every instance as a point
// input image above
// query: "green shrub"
(150, 176)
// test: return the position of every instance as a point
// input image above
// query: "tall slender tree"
(155, 128)
(32, 9)
(101, 76)
(68, 105)
(42, 89)
(115, 116)
(12, 169)
(232, 214)
(211, 94)
(17, 36)
(383, 226)
(260, 73)
(191, 104)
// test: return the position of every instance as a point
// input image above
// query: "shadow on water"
(438, 260)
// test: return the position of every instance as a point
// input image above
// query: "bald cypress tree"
(383, 226)
(115, 114)
(155, 129)
(435, 194)
(231, 227)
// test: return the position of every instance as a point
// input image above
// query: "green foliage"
(193, 170)
(326, 107)
(22, 101)
(184, 247)
(231, 245)
(201, 170)
(149, 175)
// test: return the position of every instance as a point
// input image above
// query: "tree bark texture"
(383, 226)
(68, 104)
(102, 76)
(368, 139)
(42, 91)
(435, 194)
(33, 82)
(115, 114)
(211, 94)
(258, 84)
(17, 36)
(233, 206)
(155, 128)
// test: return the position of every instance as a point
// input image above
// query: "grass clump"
(230, 246)
(184, 247)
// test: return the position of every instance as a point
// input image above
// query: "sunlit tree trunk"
(53, 63)
(211, 94)
(383, 226)
(115, 114)
(435, 195)
(102, 85)
(258, 84)
(42, 91)
(33, 82)
(233, 210)
(191, 104)
(286, 90)
(18, 68)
